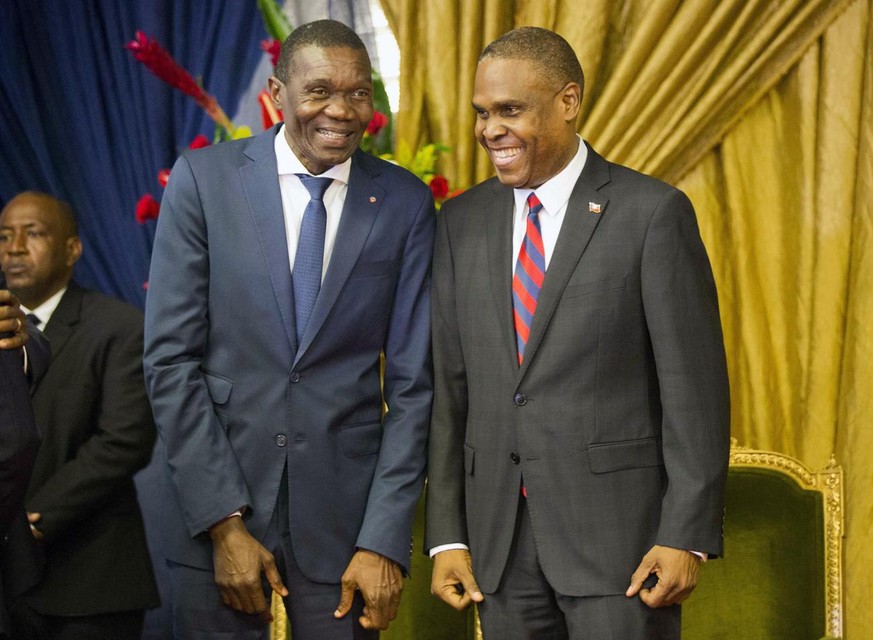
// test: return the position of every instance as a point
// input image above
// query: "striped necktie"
(309, 259)
(529, 273)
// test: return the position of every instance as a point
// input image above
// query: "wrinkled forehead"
(311, 55)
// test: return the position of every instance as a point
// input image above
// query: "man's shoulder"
(479, 198)
(108, 310)
(388, 173)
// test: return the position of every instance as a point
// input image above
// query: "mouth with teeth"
(332, 136)
(503, 157)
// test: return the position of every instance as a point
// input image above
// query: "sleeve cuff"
(447, 547)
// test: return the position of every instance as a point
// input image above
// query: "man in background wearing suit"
(579, 440)
(97, 432)
(283, 266)
(19, 442)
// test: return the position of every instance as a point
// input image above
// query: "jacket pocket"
(628, 454)
(469, 456)
(373, 269)
(219, 387)
(616, 283)
(361, 439)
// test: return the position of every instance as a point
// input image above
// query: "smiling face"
(38, 247)
(526, 124)
(327, 103)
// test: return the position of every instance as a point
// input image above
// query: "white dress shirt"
(46, 309)
(554, 194)
(295, 197)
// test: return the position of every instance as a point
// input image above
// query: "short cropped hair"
(547, 49)
(321, 33)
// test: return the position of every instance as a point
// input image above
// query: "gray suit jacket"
(236, 399)
(618, 419)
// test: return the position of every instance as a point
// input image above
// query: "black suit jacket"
(97, 431)
(618, 418)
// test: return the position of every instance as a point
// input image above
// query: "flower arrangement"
(377, 138)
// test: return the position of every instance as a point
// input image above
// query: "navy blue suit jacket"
(236, 398)
(19, 442)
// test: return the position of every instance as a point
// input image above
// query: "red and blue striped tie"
(529, 273)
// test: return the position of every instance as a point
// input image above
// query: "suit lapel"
(498, 224)
(576, 231)
(261, 183)
(363, 201)
(64, 319)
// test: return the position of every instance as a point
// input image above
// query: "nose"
(492, 128)
(17, 244)
(339, 108)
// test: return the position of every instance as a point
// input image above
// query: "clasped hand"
(239, 560)
(380, 582)
(12, 320)
(453, 580)
(676, 570)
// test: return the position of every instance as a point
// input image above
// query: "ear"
(571, 101)
(276, 87)
(74, 250)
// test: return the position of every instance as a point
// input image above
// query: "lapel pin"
(372, 199)
(594, 207)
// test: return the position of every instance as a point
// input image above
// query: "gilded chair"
(781, 577)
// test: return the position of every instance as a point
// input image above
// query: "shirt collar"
(287, 162)
(555, 192)
(46, 309)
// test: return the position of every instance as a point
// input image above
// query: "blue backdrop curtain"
(82, 120)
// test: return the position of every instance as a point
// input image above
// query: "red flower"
(271, 47)
(159, 61)
(147, 208)
(199, 142)
(379, 120)
(163, 177)
(439, 186)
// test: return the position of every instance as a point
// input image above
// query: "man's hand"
(677, 576)
(380, 582)
(12, 320)
(452, 580)
(239, 560)
(33, 517)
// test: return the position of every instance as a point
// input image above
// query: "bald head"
(39, 245)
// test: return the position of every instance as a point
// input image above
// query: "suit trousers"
(199, 614)
(526, 607)
(28, 624)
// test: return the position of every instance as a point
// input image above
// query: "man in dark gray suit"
(579, 441)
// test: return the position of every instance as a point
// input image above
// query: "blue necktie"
(310, 252)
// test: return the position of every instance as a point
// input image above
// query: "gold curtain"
(762, 112)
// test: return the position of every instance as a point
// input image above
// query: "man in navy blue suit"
(19, 442)
(282, 469)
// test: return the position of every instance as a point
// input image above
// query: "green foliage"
(276, 23)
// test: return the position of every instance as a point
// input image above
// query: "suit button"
(295, 377)
(281, 440)
(514, 457)
(520, 399)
